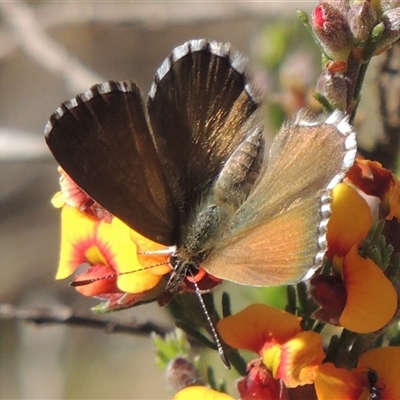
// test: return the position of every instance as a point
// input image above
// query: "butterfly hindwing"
(281, 251)
(282, 224)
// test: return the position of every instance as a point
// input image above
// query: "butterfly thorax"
(199, 239)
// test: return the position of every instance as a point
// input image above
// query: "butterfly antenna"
(214, 333)
(85, 282)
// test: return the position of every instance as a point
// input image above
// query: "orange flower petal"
(201, 392)
(385, 361)
(256, 325)
(336, 383)
(371, 297)
(299, 357)
(350, 222)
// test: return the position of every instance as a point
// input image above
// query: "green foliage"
(174, 344)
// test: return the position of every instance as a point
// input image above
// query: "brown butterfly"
(187, 168)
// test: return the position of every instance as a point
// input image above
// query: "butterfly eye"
(173, 260)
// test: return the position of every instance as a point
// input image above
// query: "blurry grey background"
(49, 52)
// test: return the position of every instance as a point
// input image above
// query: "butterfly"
(187, 167)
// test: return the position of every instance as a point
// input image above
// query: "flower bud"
(384, 5)
(341, 5)
(391, 21)
(259, 383)
(332, 31)
(362, 18)
(333, 87)
(181, 373)
(330, 293)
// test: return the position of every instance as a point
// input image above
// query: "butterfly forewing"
(282, 224)
(201, 107)
(102, 141)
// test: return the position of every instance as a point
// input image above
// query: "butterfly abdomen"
(232, 186)
(240, 172)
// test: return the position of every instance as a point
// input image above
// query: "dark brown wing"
(101, 139)
(201, 107)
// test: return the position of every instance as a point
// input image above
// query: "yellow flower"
(384, 362)
(376, 374)
(201, 392)
(366, 309)
(288, 353)
(116, 271)
(348, 296)
(336, 383)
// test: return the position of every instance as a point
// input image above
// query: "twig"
(388, 82)
(65, 315)
(158, 13)
(51, 15)
(16, 144)
(35, 42)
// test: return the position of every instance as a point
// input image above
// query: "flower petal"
(201, 392)
(77, 236)
(114, 241)
(88, 239)
(120, 301)
(336, 383)
(256, 325)
(373, 179)
(73, 195)
(385, 361)
(350, 221)
(99, 286)
(299, 357)
(367, 309)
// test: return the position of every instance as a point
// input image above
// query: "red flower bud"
(259, 384)
(332, 31)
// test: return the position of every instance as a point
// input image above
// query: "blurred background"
(49, 52)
